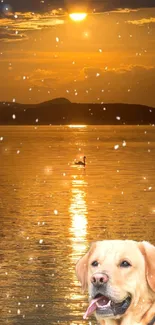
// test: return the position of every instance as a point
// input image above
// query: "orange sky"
(109, 57)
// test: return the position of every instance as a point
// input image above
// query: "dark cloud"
(14, 29)
(29, 5)
(100, 5)
(10, 37)
(111, 5)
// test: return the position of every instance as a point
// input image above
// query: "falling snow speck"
(1, 138)
(116, 146)
(55, 212)
(124, 143)
(40, 241)
(14, 116)
(118, 118)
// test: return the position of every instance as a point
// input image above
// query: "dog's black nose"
(98, 279)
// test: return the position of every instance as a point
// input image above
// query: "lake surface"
(51, 210)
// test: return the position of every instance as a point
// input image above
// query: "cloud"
(14, 24)
(12, 36)
(91, 72)
(123, 5)
(132, 84)
(48, 78)
(125, 10)
(126, 76)
(142, 21)
(99, 5)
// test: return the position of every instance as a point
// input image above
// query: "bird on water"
(81, 163)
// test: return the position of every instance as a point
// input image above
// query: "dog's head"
(118, 274)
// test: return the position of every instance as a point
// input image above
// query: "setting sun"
(78, 16)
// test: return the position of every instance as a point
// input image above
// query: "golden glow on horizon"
(78, 16)
(77, 126)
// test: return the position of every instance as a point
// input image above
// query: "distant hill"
(61, 111)
(58, 101)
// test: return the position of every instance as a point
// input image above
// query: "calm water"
(50, 210)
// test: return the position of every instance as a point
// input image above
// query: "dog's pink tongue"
(92, 307)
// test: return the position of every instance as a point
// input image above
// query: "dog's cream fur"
(137, 280)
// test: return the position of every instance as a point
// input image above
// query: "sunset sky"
(109, 57)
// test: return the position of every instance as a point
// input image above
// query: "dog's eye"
(125, 264)
(95, 263)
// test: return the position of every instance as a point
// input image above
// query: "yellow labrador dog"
(120, 277)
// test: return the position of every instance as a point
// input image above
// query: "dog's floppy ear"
(82, 268)
(148, 251)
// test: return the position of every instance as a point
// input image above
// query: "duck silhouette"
(81, 163)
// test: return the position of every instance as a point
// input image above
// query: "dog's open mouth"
(105, 306)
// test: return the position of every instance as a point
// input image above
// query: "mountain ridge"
(60, 111)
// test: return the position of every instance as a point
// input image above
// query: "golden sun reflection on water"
(78, 229)
(78, 212)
